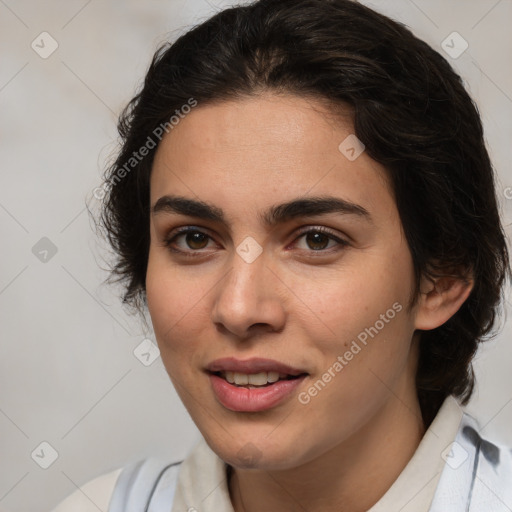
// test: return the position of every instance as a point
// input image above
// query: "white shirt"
(412, 491)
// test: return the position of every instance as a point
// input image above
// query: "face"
(321, 286)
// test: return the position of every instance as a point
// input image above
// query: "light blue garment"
(477, 477)
(145, 486)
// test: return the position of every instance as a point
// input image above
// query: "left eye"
(318, 240)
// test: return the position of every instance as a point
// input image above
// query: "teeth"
(241, 379)
(258, 379)
(254, 379)
(273, 376)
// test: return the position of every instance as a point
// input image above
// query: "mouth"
(253, 366)
(253, 397)
(255, 380)
(253, 385)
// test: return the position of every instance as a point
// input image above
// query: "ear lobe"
(440, 299)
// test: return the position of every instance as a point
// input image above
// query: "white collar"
(202, 482)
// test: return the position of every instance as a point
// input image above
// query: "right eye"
(192, 241)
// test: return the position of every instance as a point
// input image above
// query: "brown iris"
(196, 240)
(317, 239)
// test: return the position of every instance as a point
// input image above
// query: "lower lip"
(252, 400)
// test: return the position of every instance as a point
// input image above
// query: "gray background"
(68, 374)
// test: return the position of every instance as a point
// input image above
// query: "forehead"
(278, 146)
(266, 120)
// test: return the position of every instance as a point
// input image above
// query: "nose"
(249, 300)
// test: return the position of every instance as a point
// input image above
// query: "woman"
(304, 203)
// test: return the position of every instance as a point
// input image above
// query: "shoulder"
(494, 462)
(490, 451)
(477, 473)
(145, 483)
(132, 487)
(93, 496)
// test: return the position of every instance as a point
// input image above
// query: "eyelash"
(170, 239)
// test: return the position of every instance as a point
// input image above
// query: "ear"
(440, 299)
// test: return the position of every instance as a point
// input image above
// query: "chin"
(253, 452)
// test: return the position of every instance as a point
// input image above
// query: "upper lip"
(253, 365)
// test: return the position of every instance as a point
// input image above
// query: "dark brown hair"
(411, 111)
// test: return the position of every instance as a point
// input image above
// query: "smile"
(254, 380)
(253, 397)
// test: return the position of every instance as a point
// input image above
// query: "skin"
(295, 303)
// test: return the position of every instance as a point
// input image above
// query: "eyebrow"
(277, 214)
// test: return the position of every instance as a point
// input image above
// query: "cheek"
(361, 315)
(177, 309)
(342, 304)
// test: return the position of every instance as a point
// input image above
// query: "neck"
(352, 476)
